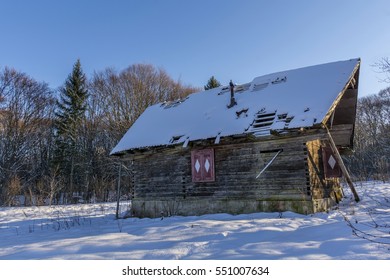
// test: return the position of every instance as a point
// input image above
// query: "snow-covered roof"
(279, 101)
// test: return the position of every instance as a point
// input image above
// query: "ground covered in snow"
(352, 231)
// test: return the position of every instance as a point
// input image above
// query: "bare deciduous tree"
(117, 99)
(126, 94)
(383, 65)
(28, 132)
(372, 133)
(25, 123)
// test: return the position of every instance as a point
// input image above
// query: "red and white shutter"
(202, 162)
(196, 159)
(331, 167)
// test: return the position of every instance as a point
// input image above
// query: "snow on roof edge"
(340, 79)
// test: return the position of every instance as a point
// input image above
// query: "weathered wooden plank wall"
(295, 180)
(295, 175)
(321, 187)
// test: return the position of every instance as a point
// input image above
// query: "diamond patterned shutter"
(331, 166)
(202, 163)
(196, 159)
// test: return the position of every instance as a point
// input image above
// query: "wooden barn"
(273, 144)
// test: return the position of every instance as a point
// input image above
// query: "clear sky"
(193, 39)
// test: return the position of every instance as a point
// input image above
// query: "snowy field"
(352, 231)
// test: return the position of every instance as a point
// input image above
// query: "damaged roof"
(275, 102)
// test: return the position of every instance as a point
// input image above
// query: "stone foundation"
(197, 207)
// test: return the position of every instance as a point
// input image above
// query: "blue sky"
(193, 40)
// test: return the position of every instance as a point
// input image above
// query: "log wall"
(163, 180)
(325, 191)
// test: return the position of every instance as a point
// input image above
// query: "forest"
(55, 143)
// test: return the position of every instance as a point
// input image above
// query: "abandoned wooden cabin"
(273, 144)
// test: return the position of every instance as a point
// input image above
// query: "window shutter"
(196, 160)
(331, 167)
(202, 164)
(208, 166)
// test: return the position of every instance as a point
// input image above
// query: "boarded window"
(202, 163)
(331, 167)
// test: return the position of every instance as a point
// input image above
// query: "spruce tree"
(212, 83)
(70, 113)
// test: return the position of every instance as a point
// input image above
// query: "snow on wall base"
(196, 207)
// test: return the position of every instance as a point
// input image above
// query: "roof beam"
(353, 80)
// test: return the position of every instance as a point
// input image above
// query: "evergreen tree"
(212, 83)
(70, 114)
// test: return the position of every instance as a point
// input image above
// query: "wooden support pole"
(342, 166)
(118, 191)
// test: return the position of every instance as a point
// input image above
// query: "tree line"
(55, 144)
(370, 159)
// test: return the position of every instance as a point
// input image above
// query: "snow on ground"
(352, 231)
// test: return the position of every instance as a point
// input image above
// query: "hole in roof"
(262, 123)
(175, 139)
(258, 87)
(283, 121)
(242, 112)
(279, 80)
(171, 104)
(224, 90)
(237, 88)
(243, 87)
(282, 116)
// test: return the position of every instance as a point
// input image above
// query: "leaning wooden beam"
(118, 192)
(269, 163)
(342, 166)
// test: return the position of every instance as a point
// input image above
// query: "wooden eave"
(236, 139)
(350, 86)
(341, 116)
